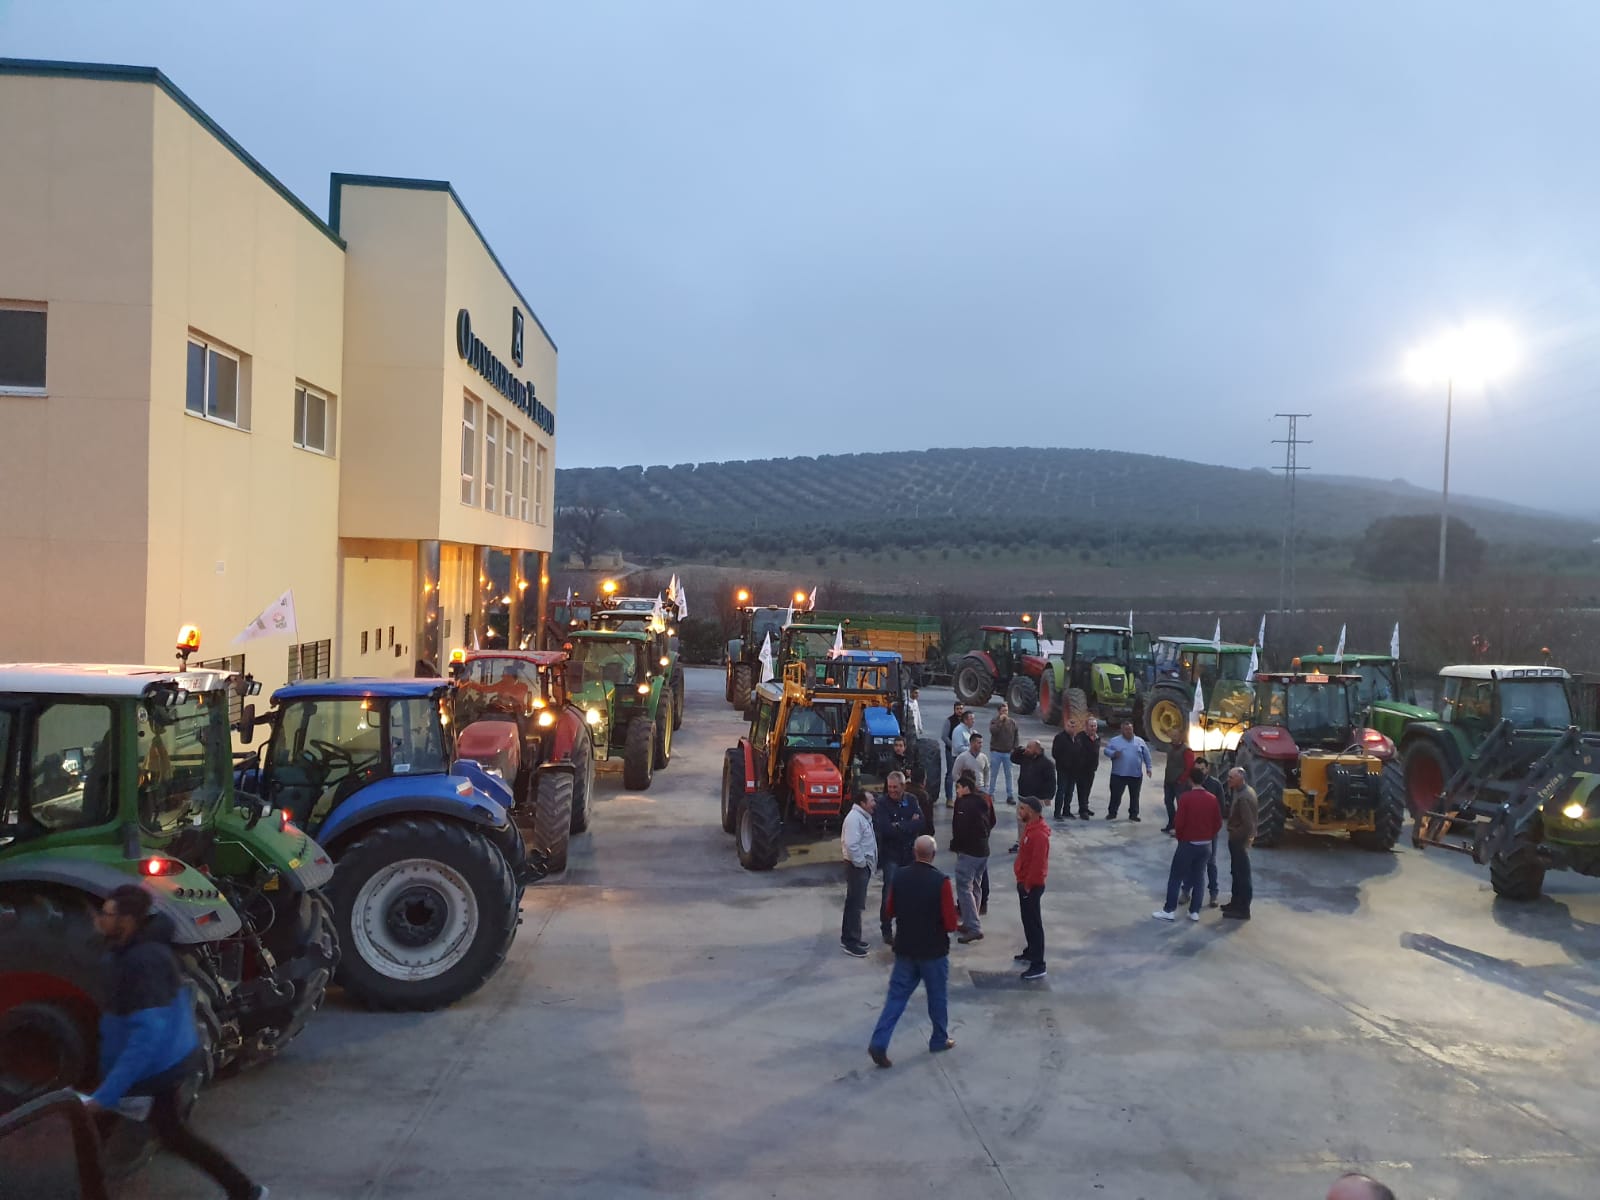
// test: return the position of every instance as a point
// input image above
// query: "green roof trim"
(338, 179)
(1349, 657)
(49, 68)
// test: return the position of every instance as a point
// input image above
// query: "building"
(209, 396)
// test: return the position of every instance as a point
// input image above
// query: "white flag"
(1197, 710)
(1040, 628)
(1394, 642)
(811, 600)
(1216, 638)
(1338, 654)
(789, 620)
(766, 658)
(1130, 618)
(1255, 665)
(838, 641)
(683, 604)
(672, 587)
(1261, 634)
(277, 617)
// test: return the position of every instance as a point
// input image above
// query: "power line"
(1291, 469)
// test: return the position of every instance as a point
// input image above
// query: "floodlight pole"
(1444, 496)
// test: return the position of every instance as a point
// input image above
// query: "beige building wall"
(377, 581)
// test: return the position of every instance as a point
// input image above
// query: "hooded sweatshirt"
(147, 1028)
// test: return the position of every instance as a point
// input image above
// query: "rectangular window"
(363, 641)
(491, 460)
(508, 499)
(526, 485)
(22, 345)
(310, 660)
(213, 386)
(313, 419)
(539, 457)
(234, 663)
(469, 451)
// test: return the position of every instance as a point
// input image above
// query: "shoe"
(949, 1044)
(1167, 829)
(1011, 802)
(966, 939)
(1133, 818)
(1111, 816)
(983, 909)
(1194, 916)
(1162, 914)
(1033, 973)
(879, 1057)
(1087, 813)
(1236, 914)
(1023, 957)
(1213, 903)
(856, 951)
(1015, 846)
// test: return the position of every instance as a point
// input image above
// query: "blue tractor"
(430, 867)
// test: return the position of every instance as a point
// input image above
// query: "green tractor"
(1388, 703)
(617, 679)
(111, 775)
(757, 623)
(1096, 675)
(1223, 673)
(629, 614)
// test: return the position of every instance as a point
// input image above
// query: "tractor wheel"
(581, 756)
(1076, 709)
(973, 683)
(1518, 874)
(677, 701)
(427, 909)
(1050, 711)
(1426, 773)
(554, 804)
(307, 954)
(760, 832)
(637, 755)
(930, 761)
(1023, 695)
(744, 682)
(1267, 778)
(727, 684)
(663, 738)
(50, 962)
(1166, 719)
(732, 789)
(1389, 820)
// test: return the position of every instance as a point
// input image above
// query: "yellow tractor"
(1312, 766)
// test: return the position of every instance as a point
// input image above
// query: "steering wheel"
(333, 753)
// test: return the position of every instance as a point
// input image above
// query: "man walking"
(897, 820)
(969, 839)
(1241, 832)
(957, 711)
(1031, 867)
(1065, 756)
(859, 845)
(148, 1045)
(1128, 754)
(975, 760)
(1175, 779)
(924, 910)
(1002, 741)
(1086, 742)
(1197, 821)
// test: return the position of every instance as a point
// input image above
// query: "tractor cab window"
(766, 622)
(419, 742)
(594, 661)
(1100, 646)
(1535, 703)
(185, 758)
(1377, 682)
(324, 749)
(503, 685)
(808, 644)
(761, 728)
(1025, 642)
(71, 781)
(1317, 712)
(1469, 702)
(815, 728)
(996, 642)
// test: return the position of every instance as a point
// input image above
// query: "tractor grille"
(1351, 788)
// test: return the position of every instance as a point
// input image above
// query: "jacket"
(898, 826)
(1032, 863)
(908, 765)
(914, 718)
(923, 906)
(1198, 819)
(1214, 785)
(949, 729)
(1037, 776)
(1242, 816)
(857, 841)
(1002, 735)
(147, 1027)
(978, 764)
(1088, 747)
(1179, 764)
(1064, 753)
(970, 826)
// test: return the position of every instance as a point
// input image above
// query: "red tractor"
(1010, 662)
(516, 721)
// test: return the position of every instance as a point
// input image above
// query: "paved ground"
(670, 1025)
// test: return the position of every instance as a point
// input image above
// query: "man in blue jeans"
(923, 906)
(1211, 784)
(1128, 754)
(1196, 825)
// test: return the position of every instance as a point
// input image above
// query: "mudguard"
(192, 923)
(880, 722)
(499, 790)
(1271, 742)
(982, 656)
(446, 795)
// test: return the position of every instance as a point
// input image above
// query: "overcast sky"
(758, 229)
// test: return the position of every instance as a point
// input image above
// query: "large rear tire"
(973, 682)
(732, 789)
(1022, 696)
(1425, 773)
(1166, 718)
(1518, 874)
(554, 800)
(760, 833)
(50, 988)
(744, 682)
(1050, 710)
(677, 701)
(638, 754)
(1267, 778)
(426, 910)
(581, 756)
(1077, 707)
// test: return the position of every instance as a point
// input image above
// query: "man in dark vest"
(923, 906)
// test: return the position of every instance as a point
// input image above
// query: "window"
(22, 346)
(185, 757)
(417, 740)
(539, 456)
(313, 420)
(469, 451)
(508, 499)
(526, 485)
(213, 388)
(233, 664)
(491, 460)
(72, 769)
(310, 660)
(363, 641)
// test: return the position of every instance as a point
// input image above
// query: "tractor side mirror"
(247, 724)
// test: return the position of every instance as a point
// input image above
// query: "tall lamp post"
(1477, 355)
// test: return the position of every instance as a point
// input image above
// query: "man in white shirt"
(914, 715)
(859, 845)
(975, 760)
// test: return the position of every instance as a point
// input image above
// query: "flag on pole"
(838, 641)
(766, 658)
(789, 619)
(1255, 665)
(683, 604)
(1040, 628)
(1130, 618)
(1394, 642)
(1261, 634)
(811, 600)
(277, 617)
(569, 595)
(1197, 710)
(1338, 654)
(1216, 637)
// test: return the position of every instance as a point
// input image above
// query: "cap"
(1032, 802)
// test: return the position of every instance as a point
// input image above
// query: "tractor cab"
(1475, 699)
(525, 690)
(1008, 646)
(804, 643)
(1381, 678)
(1315, 710)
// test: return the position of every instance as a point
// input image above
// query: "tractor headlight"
(592, 716)
(816, 789)
(665, 661)
(1573, 811)
(644, 689)
(833, 789)
(546, 719)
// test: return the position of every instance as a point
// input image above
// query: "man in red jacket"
(1031, 866)
(1196, 824)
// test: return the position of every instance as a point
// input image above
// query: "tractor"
(1097, 675)
(1313, 765)
(756, 624)
(116, 775)
(428, 886)
(1387, 701)
(1010, 661)
(817, 734)
(622, 691)
(514, 719)
(664, 645)
(1223, 673)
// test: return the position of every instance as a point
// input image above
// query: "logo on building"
(516, 335)
(482, 360)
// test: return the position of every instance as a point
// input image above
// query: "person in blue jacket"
(148, 1044)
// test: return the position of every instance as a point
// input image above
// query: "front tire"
(638, 755)
(760, 833)
(1425, 773)
(744, 682)
(47, 1044)
(581, 756)
(1389, 821)
(1022, 696)
(677, 702)
(1077, 707)
(1518, 874)
(426, 910)
(1267, 778)
(973, 683)
(554, 804)
(1050, 710)
(1166, 718)
(732, 789)
(663, 739)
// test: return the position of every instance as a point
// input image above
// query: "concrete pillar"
(542, 617)
(430, 624)
(519, 588)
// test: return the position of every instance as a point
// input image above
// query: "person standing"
(1036, 774)
(914, 714)
(1241, 832)
(1064, 754)
(859, 845)
(924, 910)
(148, 1045)
(1175, 779)
(897, 820)
(1002, 741)
(1086, 742)
(957, 711)
(1031, 867)
(969, 840)
(1128, 754)
(901, 760)
(975, 760)
(963, 732)
(1212, 785)
(1197, 821)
